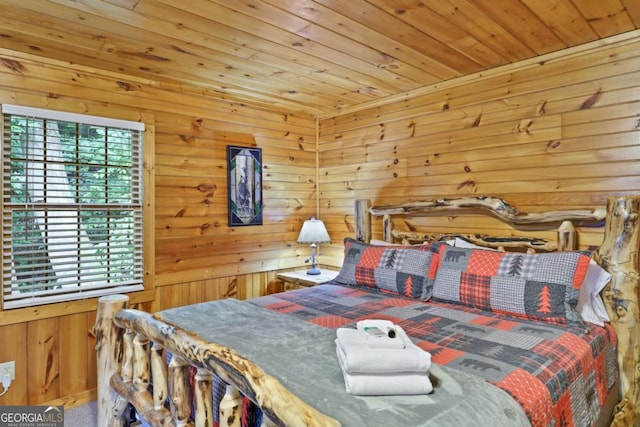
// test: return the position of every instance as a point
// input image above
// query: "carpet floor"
(82, 416)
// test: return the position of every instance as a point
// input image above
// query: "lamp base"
(314, 271)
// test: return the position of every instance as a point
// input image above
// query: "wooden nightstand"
(300, 279)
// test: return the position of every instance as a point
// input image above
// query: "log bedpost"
(231, 408)
(126, 365)
(566, 236)
(363, 220)
(179, 397)
(141, 363)
(109, 357)
(387, 228)
(159, 376)
(203, 395)
(619, 256)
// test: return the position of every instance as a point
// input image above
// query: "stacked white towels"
(378, 358)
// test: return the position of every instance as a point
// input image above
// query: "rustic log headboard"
(130, 343)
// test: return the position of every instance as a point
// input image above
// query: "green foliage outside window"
(98, 166)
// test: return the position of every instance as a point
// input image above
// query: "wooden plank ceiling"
(315, 56)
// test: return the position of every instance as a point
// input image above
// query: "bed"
(504, 349)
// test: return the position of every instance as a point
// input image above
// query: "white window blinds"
(72, 206)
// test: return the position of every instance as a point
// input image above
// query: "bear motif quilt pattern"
(542, 287)
(559, 374)
(404, 270)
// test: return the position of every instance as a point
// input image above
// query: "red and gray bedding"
(505, 330)
(559, 374)
(302, 356)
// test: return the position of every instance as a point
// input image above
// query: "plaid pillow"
(403, 270)
(542, 286)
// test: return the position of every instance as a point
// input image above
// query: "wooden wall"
(560, 132)
(197, 256)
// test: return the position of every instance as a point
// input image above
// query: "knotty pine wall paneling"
(560, 132)
(197, 257)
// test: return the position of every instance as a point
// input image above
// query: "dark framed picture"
(244, 183)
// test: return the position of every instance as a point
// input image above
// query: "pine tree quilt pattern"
(560, 374)
(404, 270)
(543, 286)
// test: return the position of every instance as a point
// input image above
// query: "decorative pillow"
(590, 304)
(404, 270)
(542, 286)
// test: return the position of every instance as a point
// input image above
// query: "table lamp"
(313, 232)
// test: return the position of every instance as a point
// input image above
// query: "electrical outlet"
(8, 368)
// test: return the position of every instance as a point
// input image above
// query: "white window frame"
(83, 288)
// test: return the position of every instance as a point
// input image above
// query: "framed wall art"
(244, 183)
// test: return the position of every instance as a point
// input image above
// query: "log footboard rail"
(131, 348)
(132, 345)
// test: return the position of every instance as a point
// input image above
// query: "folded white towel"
(358, 358)
(383, 340)
(385, 384)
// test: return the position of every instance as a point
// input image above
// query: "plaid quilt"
(544, 286)
(561, 375)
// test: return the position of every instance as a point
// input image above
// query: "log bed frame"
(130, 344)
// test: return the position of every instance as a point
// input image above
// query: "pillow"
(461, 243)
(403, 270)
(542, 286)
(590, 304)
(374, 242)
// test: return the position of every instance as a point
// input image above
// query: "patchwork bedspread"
(302, 356)
(560, 375)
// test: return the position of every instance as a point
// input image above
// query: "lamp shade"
(313, 231)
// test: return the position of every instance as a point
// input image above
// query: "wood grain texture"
(184, 121)
(553, 132)
(492, 205)
(203, 397)
(316, 56)
(43, 380)
(558, 135)
(278, 403)
(619, 255)
(109, 350)
(74, 354)
(16, 334)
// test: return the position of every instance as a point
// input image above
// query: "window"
(72, 206)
